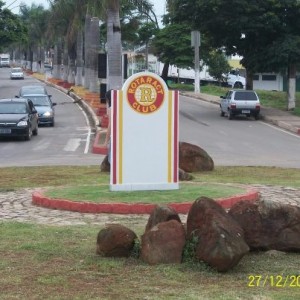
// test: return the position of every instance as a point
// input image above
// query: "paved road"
(17, 206)
(69, 142)
(240, 142)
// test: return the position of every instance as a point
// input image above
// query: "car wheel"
(52, 124)
(256, 116)
(238, 85)
(222, 113)
(229, 115)
(29, 135)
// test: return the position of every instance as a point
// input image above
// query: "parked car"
(16, 73)
(44, 107)
(18, 118)
(240, 102)
(32, 89)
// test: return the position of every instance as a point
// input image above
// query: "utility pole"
(196, 44)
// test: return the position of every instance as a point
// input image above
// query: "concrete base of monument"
(144, 187)
(131, 208)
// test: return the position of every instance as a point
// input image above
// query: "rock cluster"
(218, 238)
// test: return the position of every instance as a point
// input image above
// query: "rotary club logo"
(145, 94)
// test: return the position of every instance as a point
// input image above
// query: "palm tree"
(79, 58)
(57, 59)
(93, 53)
(114, 45)
(36, 19)
(67, 23)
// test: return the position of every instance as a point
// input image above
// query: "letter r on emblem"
(146, 95)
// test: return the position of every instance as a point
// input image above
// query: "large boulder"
(192, 158)
(115, 241)
(218, 239)
(163, 243)
(268, 225)
(161, 214)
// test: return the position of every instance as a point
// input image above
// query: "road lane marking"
(41, 146)
(279, 129)
(72, 145)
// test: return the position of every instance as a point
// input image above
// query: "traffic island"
(99, 147)
(38, 198)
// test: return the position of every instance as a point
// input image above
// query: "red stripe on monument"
(115, 123)
(175, 167)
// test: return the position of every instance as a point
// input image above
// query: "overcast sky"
(159, 5)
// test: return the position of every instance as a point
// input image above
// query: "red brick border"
(126, 208)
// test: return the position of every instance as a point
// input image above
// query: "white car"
(240, 102)
(16, 73)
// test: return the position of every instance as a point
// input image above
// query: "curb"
(125, 208)
(97, 147)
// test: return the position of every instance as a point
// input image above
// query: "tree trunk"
(114, 51)
(65, 63)
(71, 67)
(87, 42)
(71, 62)
(291, 86)
(34, 66)
(79, 59)
(42, 60)
(249, 80)
(94, 50)
(57, 60)
(165, 71)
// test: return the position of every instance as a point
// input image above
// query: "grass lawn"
(60, 262)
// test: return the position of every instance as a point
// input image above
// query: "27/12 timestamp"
(278, 281)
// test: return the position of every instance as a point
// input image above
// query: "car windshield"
(16, 70)
(39, 100)
(245, 96)
(27, 90)
(13, 108)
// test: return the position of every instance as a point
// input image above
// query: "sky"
(159, 5)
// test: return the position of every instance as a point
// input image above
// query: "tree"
(265, 33)
(174, 51)
(35, 19)
(178, 51)
(145, 33)
(218, 65)
(11, 28)
(114, 45)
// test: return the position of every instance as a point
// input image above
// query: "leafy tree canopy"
(172, 45)
(266, 33)
(218, 65)
(11, 28)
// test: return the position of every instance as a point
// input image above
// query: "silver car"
(16, 73)
(44, 107)
(32, 89)
(240, 102)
